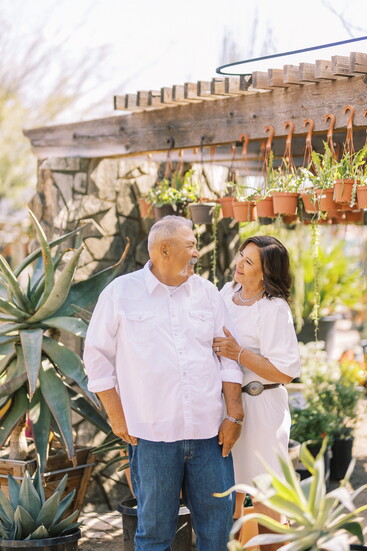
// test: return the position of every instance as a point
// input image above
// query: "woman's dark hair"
(275, 265)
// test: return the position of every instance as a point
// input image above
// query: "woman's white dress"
(266, 327)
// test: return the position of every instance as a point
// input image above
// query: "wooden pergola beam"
(221, 121)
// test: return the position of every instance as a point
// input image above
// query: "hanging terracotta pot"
(265, 208)
(285, 202)
(343, 191)
(289, 219)
(362, 197)
(227, 208)
(202, 213)
(310, 202)
(326, 201)
(244, 211)
(354, 216)
(145, 208)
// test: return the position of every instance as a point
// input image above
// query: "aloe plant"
(318, 520)
(27, 515)
(41, 377)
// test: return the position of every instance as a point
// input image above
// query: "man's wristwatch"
(237, 421)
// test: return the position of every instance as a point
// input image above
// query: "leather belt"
(254, 388)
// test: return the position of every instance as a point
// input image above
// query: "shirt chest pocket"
(140, 326)
(203, 324)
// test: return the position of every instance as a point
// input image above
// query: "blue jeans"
(159, 470)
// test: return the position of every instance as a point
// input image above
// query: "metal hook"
(308, 146)
(365, 115)
(244, 138)
(329, 139)
(168, 169)
(349, 145)
(171, 143)
(288, 143)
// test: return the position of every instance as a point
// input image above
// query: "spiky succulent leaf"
(64, 524)
(48, 510)
(82, 406)
(38, 252)
(70, 365)
(62, 485)
(14, 414)
(76, 326)
(63, 507)
(40, 534)
(57, 399)
(14, 490)
(13, 378)
(14, 285)
(7, 354)
(49, 273)
(28, 496)
(37, 483)
(31, 340)
(9, 328)
(24, 519)
(40, 417)
(85, 293)
(59, 291)
(11, 309)
(6, 506)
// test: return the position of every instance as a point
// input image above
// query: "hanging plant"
(215, 243)
(315, 242)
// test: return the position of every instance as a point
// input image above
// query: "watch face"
(255, 387)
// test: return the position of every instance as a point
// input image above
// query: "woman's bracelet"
(237, 421)
(239, 355)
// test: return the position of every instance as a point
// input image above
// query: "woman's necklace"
(245, 300)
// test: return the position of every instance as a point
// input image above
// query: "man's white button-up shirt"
(155, 346)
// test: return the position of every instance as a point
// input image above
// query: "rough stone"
(142, 173)
(126, 200)
(64, 185)
(71, 164)
(103, 248)
(104, 176)
(109, 222)
(80, 182)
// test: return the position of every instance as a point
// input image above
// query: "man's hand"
(113, 406)
(228, 433)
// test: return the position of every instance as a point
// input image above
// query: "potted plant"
(244, 205)
(318, 520)
(347, 173)
(321, 177)
(226, 202)
(285, 191)
(362, 192)
(30, 521)
(41, 379)
(264, 199)
(171, 196)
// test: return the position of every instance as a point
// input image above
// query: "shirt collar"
(152, 282)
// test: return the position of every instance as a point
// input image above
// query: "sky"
(150, 44)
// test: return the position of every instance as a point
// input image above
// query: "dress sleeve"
(100, 345)
(278, 341)
(229, 369)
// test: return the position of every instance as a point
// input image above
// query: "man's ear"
(164, 249)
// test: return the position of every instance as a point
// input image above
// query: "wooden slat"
(131, 101)
(358, 62)
(237, 85)
(340, 65)
(291, 74)
(167, 98)
(191, 91)
(260, 81)
(142, 99)
(307, 72)
(276, 78)
(178, 94)
(218, 87)
(323, 70)
(154, 99)
(119, 102)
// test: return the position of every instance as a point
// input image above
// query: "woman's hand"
(226, 346)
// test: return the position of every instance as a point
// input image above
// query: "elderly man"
(149, 357)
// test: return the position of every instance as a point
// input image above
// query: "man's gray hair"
(165, 228)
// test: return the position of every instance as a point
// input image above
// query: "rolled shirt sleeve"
(229, 369)
(278, 341)
(100, 344)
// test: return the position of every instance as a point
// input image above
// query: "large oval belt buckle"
(254, 388)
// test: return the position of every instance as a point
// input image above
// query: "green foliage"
(178, 190)
(351, 165)
(42, 376)
(27, 515)
(322, 175)
(311, 424)
(318, 520)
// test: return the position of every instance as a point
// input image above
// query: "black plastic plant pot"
(164, 210)
(342, 456)
(61, 543)
(202, 213)
(129, 512)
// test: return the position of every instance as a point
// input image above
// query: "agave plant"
(39, 376)
(318, 520)
(27, 515)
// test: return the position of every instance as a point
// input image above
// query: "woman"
(267, 350)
